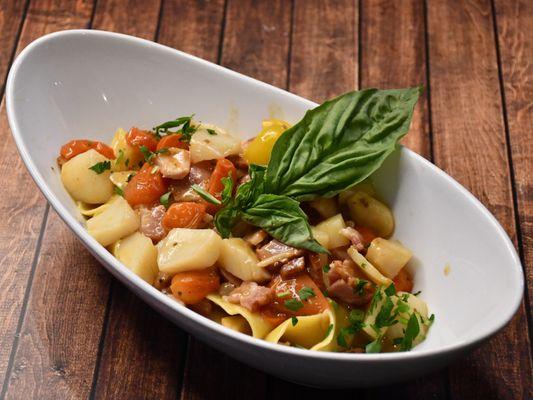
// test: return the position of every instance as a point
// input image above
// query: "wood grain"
(143, 352)
(256, 39)
(470, 144)
(514, 21)
(132, 17)
(11, 15)
(193, 26)
(324, 48)
(59, 339)
(21, 204)
(393, 54)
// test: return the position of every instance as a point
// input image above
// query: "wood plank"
(256, 39)
(324, 49)
(22, 203)
(200, 34)
(143, 352)
(514, 26)
(248, 24)
(132, 17)
(11, 16)
(466, 117)
(59, 338)
(393, 54)
(323, 64)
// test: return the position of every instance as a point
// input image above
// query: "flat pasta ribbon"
(260, 328)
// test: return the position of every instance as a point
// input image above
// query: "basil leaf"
(339, 143)
(284, 220)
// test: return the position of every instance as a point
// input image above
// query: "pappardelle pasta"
(282, 237)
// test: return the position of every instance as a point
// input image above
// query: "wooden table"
(68, 330)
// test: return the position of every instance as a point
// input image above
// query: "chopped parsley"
(359, 288)
(293, 304)
(391, 290)
(374, 347)
(356, 316)
(411, 332)
(306, 292)
(130, 176)
(118, 191)
(206, 195)
(326, 268)
(328, 331)
(283, 294)
(294, 321)
(184, 122)
(149, 155)
(165, 199)
(385, 316)
(417, 293)
(120, 157)
(211, 131)
(100, 167)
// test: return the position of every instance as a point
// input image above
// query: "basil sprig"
(335, 146)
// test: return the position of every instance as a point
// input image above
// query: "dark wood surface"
(70, 331)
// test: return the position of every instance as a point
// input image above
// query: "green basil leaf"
(339, 143)
(283, 219)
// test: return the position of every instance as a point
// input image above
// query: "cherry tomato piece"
(146, 187)
(191, 287)
(75, 147)
(172, 140)
(184, 215)
(137, 138)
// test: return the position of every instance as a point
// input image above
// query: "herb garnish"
(328, 331)
(411, 332)
(283, 294)
(326, 268)
(211, 131)
(206, 195)
(165, 199)
(359, 288)
(306, 292)
(100, 167)
(294, 321)
(186, 129)
(293, 304)
(374, 347)
(391, 290)
(357, 132)
(118, 191)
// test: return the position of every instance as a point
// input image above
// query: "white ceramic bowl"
(85, 84)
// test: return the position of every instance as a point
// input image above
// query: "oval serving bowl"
(81, 83)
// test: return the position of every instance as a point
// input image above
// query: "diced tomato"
(403, 282)
(172, 140)
(191, 287)
(223, 168)
(367, 234)
(146, 187)
(289, 290)
(137, 138)
(184, 215)
(75, 147)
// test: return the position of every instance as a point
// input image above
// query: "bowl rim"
(128, 277)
